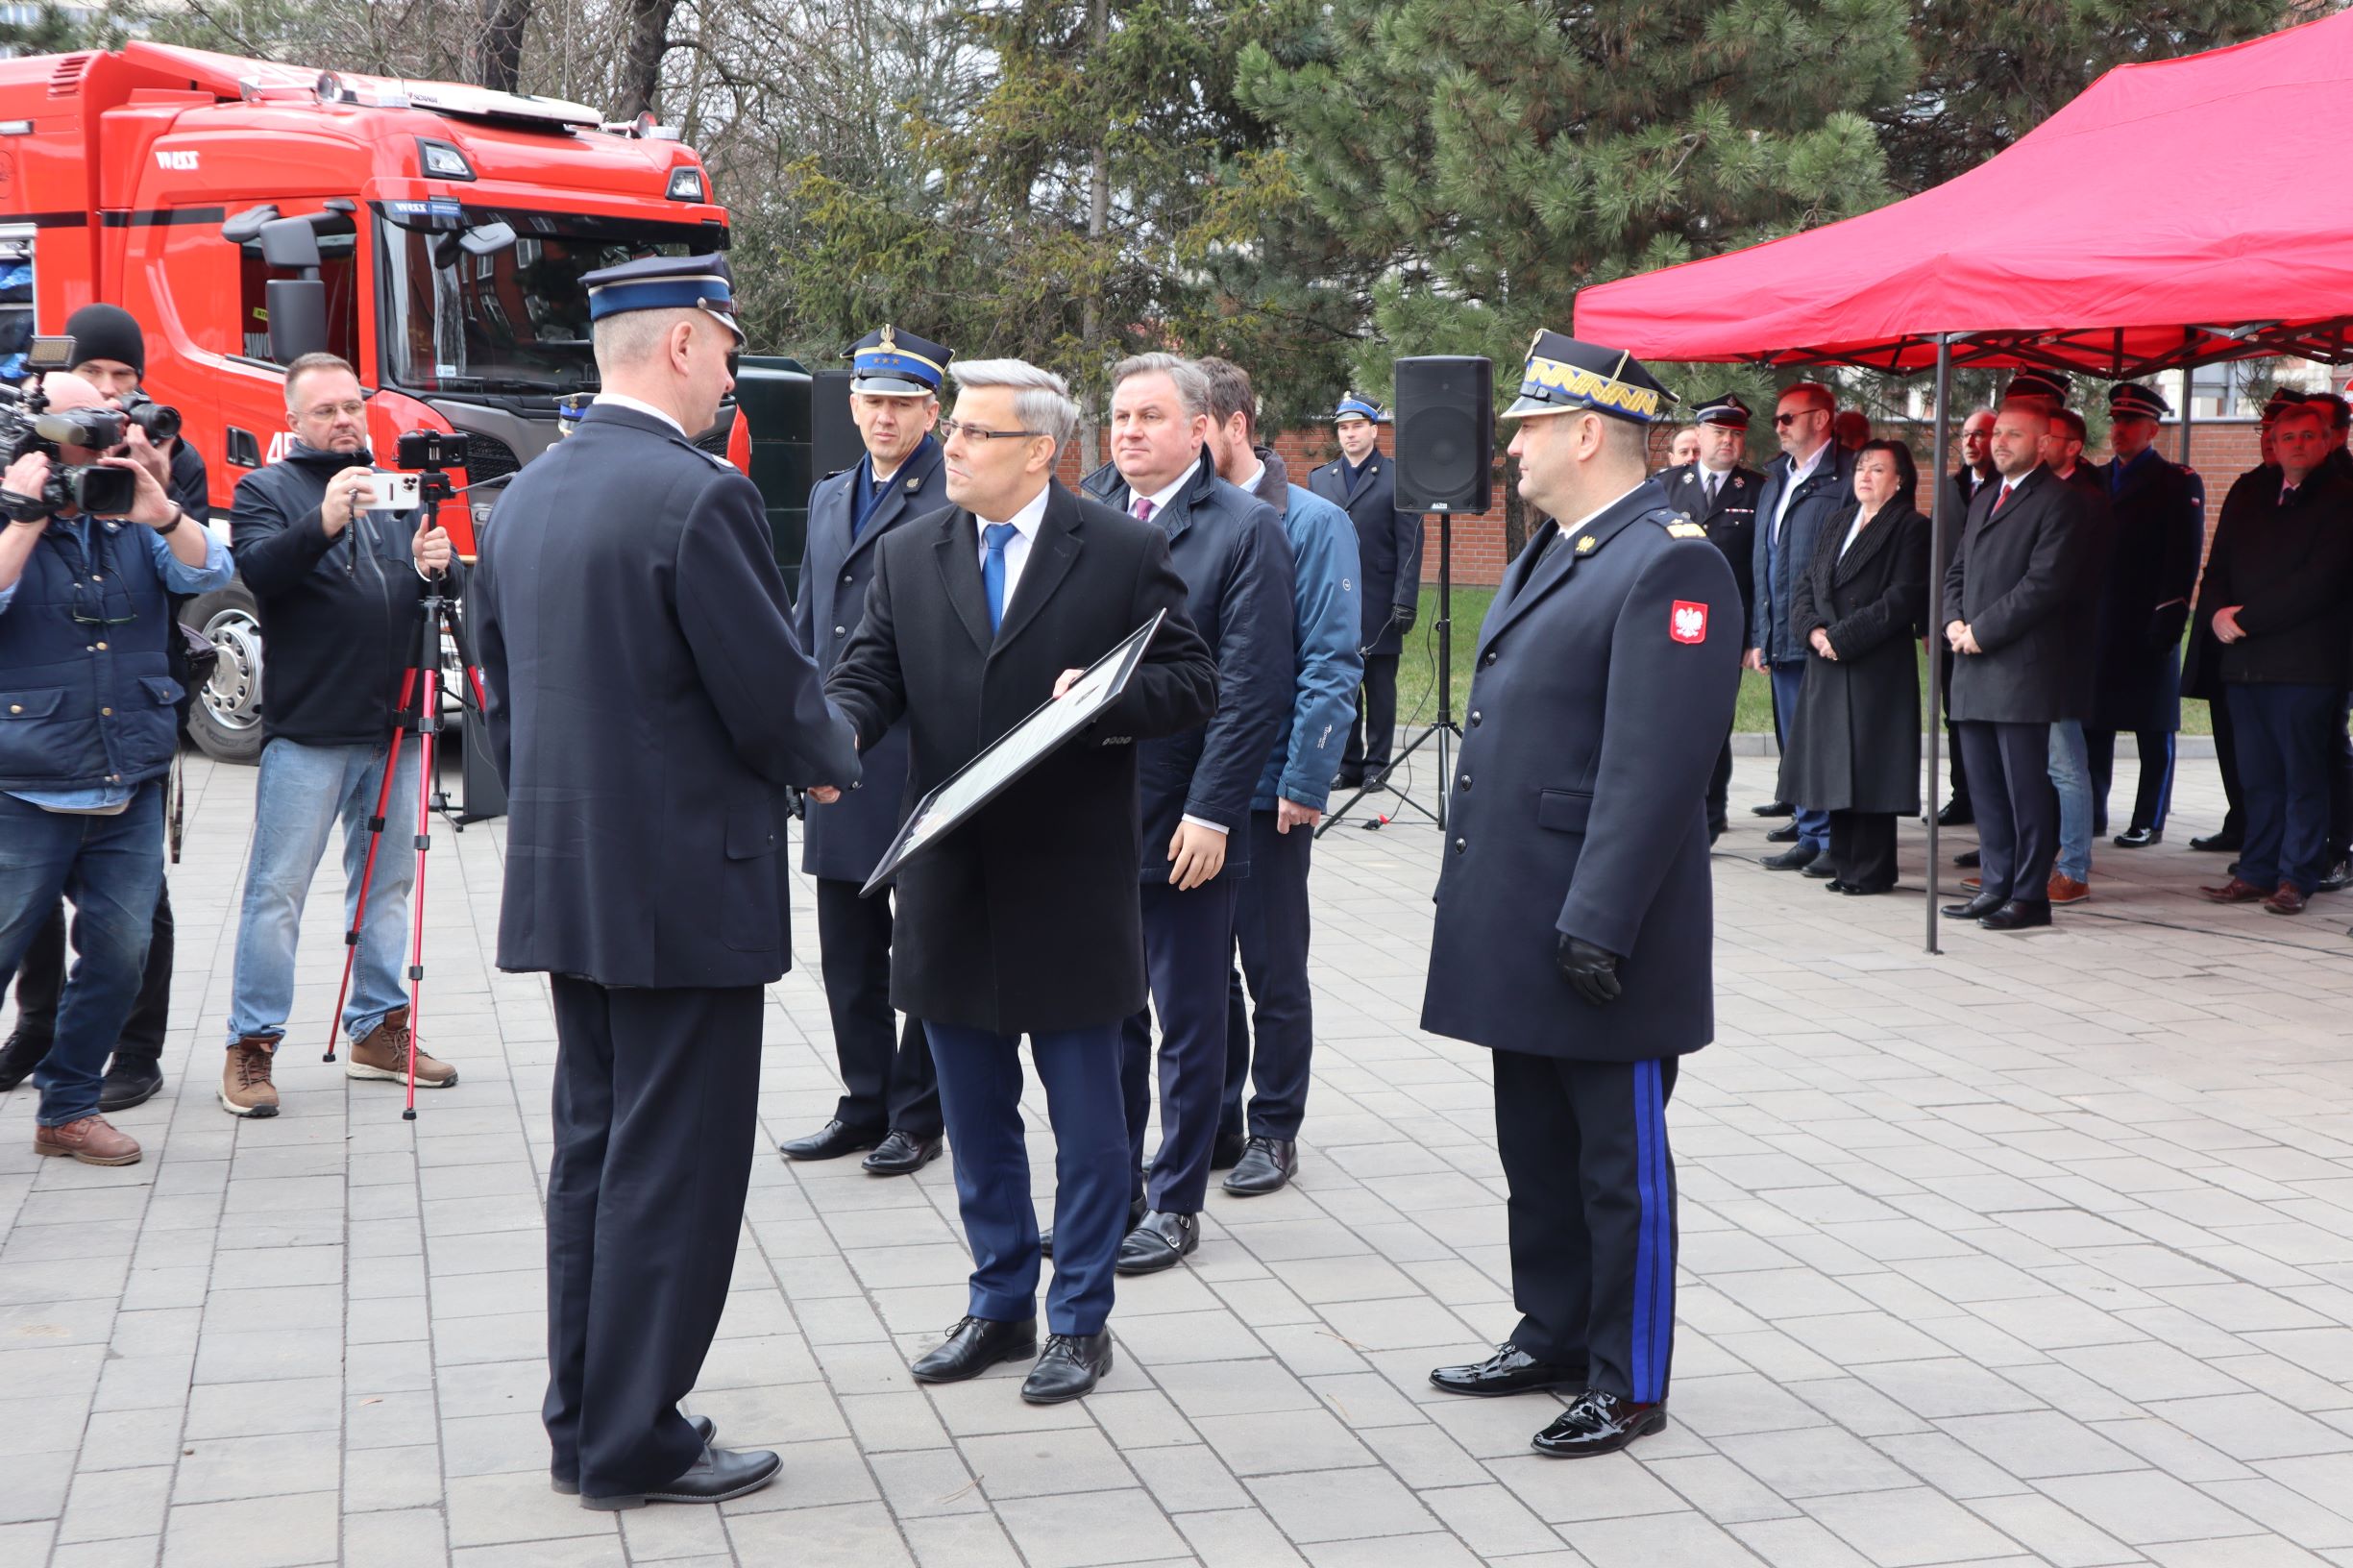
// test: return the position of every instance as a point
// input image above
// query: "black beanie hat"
(108, 332)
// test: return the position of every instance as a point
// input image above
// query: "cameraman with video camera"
(338, 577)
(88, 723)
(110, 352)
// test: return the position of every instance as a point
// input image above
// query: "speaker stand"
(1445, 731)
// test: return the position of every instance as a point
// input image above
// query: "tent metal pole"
(1940, 528)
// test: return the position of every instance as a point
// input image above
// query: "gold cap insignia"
(890, 340)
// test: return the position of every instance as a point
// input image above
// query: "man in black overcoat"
(2010, 623)
(649, 710)
(2160, 525)
(890, 1097)
(1360, 481)
(1961, 487)
(1024, 919)
(1575, 920)
(1719, 494)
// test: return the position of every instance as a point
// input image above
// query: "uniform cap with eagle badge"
(2130, 400)
(1727, 410)
(1356, 406)
(889, 363)
(1566, 377)
(2047, 385)
(664, 282)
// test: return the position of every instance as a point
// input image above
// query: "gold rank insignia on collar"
(1685, 529)
(1586, 545)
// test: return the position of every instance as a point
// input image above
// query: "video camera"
(27, 426)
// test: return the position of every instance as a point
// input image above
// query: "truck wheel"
(226, 718)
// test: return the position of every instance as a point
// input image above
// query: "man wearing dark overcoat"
(1575, 920)
(1360, 481)
(1719, 492)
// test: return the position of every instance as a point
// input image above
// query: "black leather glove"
(1592, 972)
(797, 799)
(1405, 615)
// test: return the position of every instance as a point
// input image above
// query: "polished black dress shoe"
(1975, 909)
(1071, 1365)
(18, 1058)
(1598, 1423)
(2138, 838)
(1851, 890)
(1348, 778)
(830, 1141)
(1956, 814)
(1834, 885)
(1969, 858)
(2336, 879)
(130, 1083)
(1796, 858)
(1821, 870)
(565, 1487)
(1783, 835)
(1717, 827)
(1136, 1210)
(1266, 1166)
(1227, 1151)
(2018, 914)
(901, 1154)
(1158, 1241)
(2220, 842)
(719, 1474)
(1510, 1370)
(1774, 808)
(974, 1345)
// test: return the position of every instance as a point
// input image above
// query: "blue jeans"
(112, 869)
(301, 791)
(1813, 825)
(2071, 774)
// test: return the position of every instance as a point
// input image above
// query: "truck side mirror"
(291, 243)
(298, 318)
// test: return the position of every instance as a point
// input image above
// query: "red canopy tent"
(2176, 214)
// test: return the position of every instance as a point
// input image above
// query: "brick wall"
(2221, 449)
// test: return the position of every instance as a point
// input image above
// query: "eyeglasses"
(83, 618)
(951, 426)
(1785, 421)
(328, 411)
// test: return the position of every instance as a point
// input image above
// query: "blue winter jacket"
(1324, 593)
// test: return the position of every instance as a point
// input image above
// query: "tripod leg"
(424, 842)
(367, 869)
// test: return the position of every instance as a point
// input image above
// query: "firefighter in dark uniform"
(1719, 492)
(1574, 910)
(890, 1098)
(1390, 556)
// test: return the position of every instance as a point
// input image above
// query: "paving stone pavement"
(2038, 1251)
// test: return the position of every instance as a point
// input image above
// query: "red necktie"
(2000, 499)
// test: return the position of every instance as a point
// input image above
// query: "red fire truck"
(432, 233)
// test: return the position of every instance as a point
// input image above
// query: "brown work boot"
(384, 1054)
(246, 1090)
(92, 1140)
(2062, 889)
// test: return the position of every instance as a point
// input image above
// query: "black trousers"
(888, 1084)
(2227, 761)
(1720, 786)
(2153, 797)
(1270, 932)
(1189, 948)
(1374, 734)
(2017, 811)
(40, 981)
(1863, 847)
(1957, 770)
(1591, 1215)
(656, 1101)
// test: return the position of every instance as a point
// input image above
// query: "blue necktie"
(996, 536)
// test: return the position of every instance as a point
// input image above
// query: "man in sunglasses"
(1802, 487)
(87, 728)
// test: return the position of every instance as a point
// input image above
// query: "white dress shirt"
(621, 400)
(1161, 500)
(1026, 523)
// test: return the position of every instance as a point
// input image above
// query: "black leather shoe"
(18, 1058)
(901, 1154)
(1796, 858)
(1834, 885)
(1510, 1370)
(1854, 892)
(1786, 834)
(719, 1474)
(1975, 909)
(1717, 827)
(1956, 814)
(1158, 1241)
(565, 1487)
(129, 1083)
(1071, 1365)
(1136, 1211)
(2336, 879)
(2222, 843)
(1969, 858)
(974, 1345)
(2018, 914)
(1226, 1152)
(1598, 1423)
(2138, 838)
(1821, 870)
(830, 1141)
(1348, 778)
(1774, 808)
(1266, 1166)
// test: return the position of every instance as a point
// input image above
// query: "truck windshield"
(513, 320)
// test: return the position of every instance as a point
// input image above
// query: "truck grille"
(715, 440)
(487, 457)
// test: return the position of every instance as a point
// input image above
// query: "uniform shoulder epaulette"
(835, 474)
(1677, 525)
(717, 462)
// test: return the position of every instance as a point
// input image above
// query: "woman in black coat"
(1855, 746)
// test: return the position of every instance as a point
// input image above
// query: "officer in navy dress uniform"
(1390, 556)
(1719, 492)
(649, 710)
(1575, 919)
(890, 1096)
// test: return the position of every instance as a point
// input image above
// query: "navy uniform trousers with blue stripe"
(1592, 1215)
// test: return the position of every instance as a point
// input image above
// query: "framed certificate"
(1013, 753)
